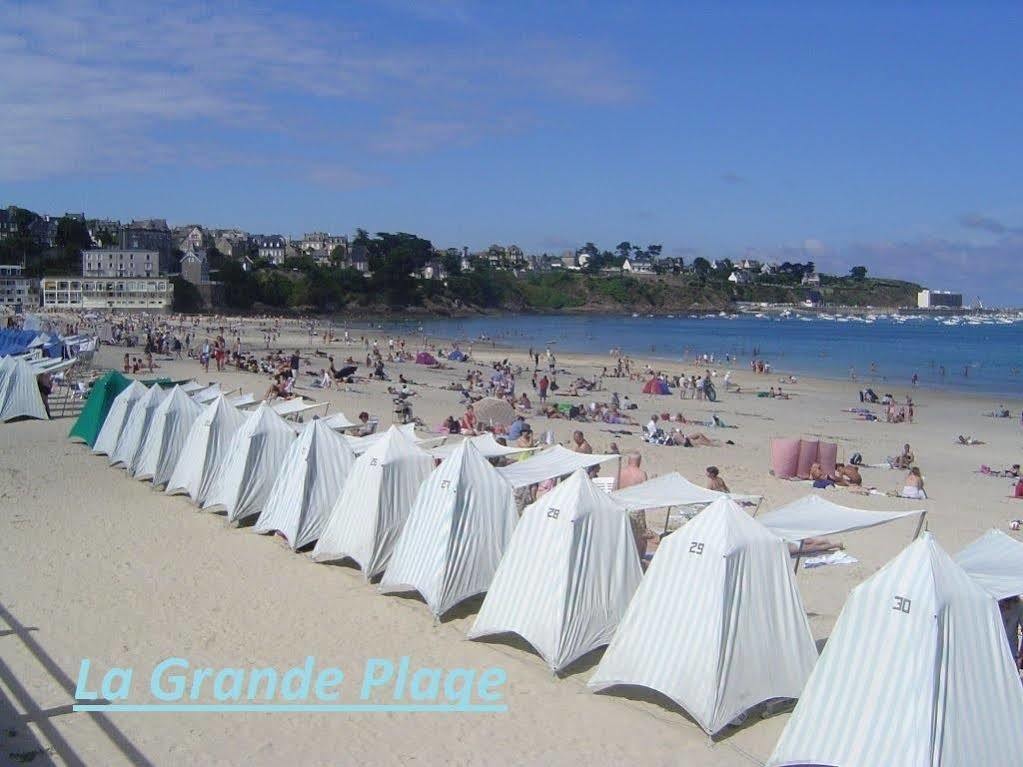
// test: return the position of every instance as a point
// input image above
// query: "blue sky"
(854, 133)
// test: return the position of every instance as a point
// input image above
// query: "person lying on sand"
(814, 546)
(968, 440)
(819, 478)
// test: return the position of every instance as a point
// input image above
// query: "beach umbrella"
(494, 412)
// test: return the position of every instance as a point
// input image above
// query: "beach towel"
(839, 557)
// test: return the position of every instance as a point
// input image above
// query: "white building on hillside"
(69, 292)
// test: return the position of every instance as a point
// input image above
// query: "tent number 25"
(695, 548)
(902, 604)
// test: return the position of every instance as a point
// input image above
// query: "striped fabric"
(361, 444)
(204, 449)
(554, 462)
(171, 423)
(117, 416)
(916, 673)
(135, 427)
(250, 465)
(995, 562)
(671, 489)
(456, 532)
(308, 484)
(374, 503)
(485, 443)
(717, 624)
(567, 575)
(815, 517)
(19, 390)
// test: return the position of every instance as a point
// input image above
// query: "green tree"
(187, 298)
(72, 235)
(858, 273)
(701, 266)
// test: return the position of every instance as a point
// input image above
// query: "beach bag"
(856, 459)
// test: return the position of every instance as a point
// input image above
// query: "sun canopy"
(546, 464)
(485, 444)
(814, 517)
(338, 421)
(995, 562)
(360, 445)
(717, 624)
(917, 671)
(672, 490)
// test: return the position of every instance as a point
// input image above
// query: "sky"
(868, 133)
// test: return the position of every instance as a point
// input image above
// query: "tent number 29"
(695, 548)
(902, 604)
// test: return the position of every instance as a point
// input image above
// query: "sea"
(980, 354)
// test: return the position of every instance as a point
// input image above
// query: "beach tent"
(250, 466)
(567, 575)
(206, 395)
(116, 418)
(672, 489)
(19, 391)
(553, 462)
(995, 562)
(458, 356)
(487, 446)
(204, 450)
(425, 358)
(308, 483)
(172, 420)
(816, 517)
(656, 386)
(717, 624)
(917, 671)
(193, 386)
(94, 412)
(491, 411)
(374, 503)
(456, 532)
(136, 426)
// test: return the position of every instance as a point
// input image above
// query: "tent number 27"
(902, 604)
(695, 548)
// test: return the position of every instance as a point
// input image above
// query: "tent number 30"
(695, 548)
(902, 604)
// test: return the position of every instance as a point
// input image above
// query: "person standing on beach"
(544, 385)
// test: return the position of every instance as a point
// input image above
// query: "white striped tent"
(19, 390)
(995, 562)
(117, 417)
(250, 465)
(484, 443)
(135, 427)
(456, 532)
(374, 503)
(204, 450)
(547, 464)
(567, 575)
(308, 483)
(717, 624)
(917, 672)
(171, 422)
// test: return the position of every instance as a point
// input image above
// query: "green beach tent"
(94, 412)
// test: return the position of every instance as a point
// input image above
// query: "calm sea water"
(970, 357)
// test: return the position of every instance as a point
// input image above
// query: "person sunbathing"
(847, 475)
(968, 440)
(914, 486)
(814, 546)
(905, 460)
(819, 478)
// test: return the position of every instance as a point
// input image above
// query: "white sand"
(99, 566)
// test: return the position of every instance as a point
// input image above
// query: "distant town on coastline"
(72, 261)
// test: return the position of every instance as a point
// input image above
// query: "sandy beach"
(96, 565)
